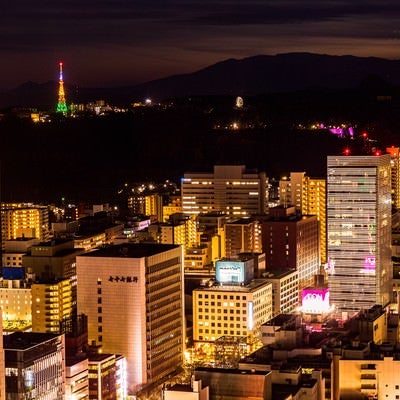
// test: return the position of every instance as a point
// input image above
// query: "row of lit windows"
(219, 318)
(218, 296)
(219, 311)
(224, 304)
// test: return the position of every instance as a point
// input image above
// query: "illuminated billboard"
(315, 301)
(230, 272)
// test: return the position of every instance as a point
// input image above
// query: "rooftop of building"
(130, 250)
(281, 391)
(25, 340)
(241, 221)
(213, 214)
(59, 253)
(230, 371)
(52, 243)
(371, 314)
(76, 359)
(21, 239)
(278, 273)
(281, 319)
(98, 357)
(247, 288)
(179, 387)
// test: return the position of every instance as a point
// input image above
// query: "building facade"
(24, 220)
(35, 366)
(139, 287)
(230, 189)
(359, 232)
(51, 306)
(308, 195)
(242, 236)
(291, 240)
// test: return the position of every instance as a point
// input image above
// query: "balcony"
(368, 367)
(368, 377)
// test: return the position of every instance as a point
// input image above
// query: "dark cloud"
(141, 39)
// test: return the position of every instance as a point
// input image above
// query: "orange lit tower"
(61, 105)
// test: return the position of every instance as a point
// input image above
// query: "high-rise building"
(308, 195)
(395, 172)
(35, 366)
(291, 240)
(139, 287)
(359, 232)
(229, 188)
(24, 220)
(51, 306)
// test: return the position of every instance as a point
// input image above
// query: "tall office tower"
(359, 232)
(308, 195)
(35, 366)
(242, 236)
(230, 189)
(24, 220)
(395, 169)
(133, 297)
(291, 240)
(52, 305)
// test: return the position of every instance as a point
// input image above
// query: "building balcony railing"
(368, 366)
(368, 376)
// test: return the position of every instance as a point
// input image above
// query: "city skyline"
(106, 44)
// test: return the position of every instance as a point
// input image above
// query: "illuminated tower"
(61, 105)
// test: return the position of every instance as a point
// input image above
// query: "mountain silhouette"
(262, 74)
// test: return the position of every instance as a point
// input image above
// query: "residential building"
(52, 304)
(24, 220)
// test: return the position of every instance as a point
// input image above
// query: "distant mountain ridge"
(261, 74)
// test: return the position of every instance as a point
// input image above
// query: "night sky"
(118, 42)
